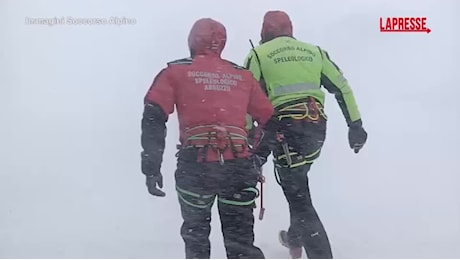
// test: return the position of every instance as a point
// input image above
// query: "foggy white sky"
(71, 102)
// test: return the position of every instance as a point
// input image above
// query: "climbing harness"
(309, 111)
(215, 137)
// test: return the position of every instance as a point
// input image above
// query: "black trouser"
(305, 139)
(234, 185)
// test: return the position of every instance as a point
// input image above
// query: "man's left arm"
(333, 80)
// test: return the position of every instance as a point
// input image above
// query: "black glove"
(152, 182)
(154, 177)
(357, 136)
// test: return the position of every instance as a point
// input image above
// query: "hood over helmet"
(275, 24)
(207, 37)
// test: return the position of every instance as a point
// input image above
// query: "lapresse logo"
(404, 24)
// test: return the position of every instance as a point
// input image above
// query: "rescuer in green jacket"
(292, 73)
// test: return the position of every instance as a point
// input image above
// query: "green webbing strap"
(196, 195)
(241, 203)
(205, 136)
(203, 205)
(307, 159)
(208, 136)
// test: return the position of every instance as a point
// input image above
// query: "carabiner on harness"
(221, 157)
(309, 110)
(215, 141)
(281, 139)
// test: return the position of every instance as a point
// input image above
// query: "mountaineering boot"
(295, 252)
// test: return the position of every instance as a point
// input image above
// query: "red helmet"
(207, 36)
(275, 24)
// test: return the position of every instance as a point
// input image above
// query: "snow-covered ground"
(71, 102)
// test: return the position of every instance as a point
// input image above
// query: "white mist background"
(71, 103)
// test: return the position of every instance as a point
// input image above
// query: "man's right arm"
(158, 104)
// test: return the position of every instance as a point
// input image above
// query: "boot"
(295, 252)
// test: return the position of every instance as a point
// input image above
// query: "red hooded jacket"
(207, 90)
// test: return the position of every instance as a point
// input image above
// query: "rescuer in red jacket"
(212, 97)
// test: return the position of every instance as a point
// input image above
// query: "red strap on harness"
(215, 142)
(215, 135)
(313, 107)
(262, 209)
(221, 136)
